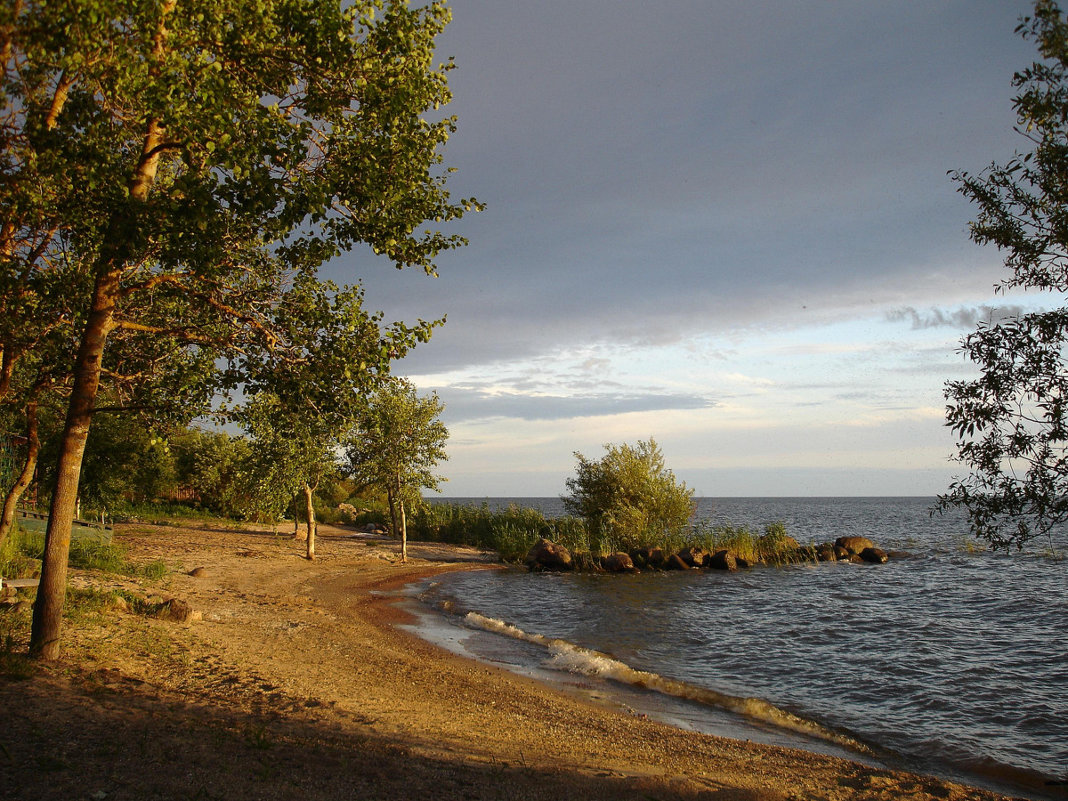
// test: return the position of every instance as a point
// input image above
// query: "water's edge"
(576, 671)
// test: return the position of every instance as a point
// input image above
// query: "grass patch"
(513, 530)
(21, 554)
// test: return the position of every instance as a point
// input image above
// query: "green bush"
(628, 498)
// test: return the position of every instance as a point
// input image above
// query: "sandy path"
(295, 684)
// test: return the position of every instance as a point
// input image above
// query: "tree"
(184, 162)
(398, 441)
(628, 495)
(306, 395)
(1011, 420)
(211, 465)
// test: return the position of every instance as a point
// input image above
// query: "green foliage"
(125, 463)
(1012, 421)
(629, 497)
(511, 531)
(171, 169)
(211, 464)
(396, 446)
(20, 554)
(398, 441)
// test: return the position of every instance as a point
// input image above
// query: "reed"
(513, 530)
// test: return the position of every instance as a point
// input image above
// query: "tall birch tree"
(186, 159)
(396, 446)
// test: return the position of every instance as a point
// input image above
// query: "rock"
(175, 610)
(723, 560)
(675, 562)
(874, 555)
(742, 562)
(546, 555)
(854, 544)
(826, 553)
(618, 562)
(895, 555)
(649, 556)
(693, 556)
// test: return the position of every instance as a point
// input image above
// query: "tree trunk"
(296, 517)
(33, 447)
(48, 608)
(404, 532)
(310, 509)
(392, 513)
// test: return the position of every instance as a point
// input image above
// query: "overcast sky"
(724, 225)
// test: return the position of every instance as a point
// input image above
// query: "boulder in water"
(693, 556)
(876, 556)
(649, 556)
(675, 562)
(854, 545)
(618, 562)
(826, 553)
(547, 555)
(723, 560)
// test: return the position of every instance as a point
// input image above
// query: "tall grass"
(21, 554)
(513, 530)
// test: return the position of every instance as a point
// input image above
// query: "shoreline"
(300, 678)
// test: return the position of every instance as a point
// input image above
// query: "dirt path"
(294, 683)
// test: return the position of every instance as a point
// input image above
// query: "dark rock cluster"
(547, 555)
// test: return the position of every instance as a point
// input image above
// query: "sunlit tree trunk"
(48, 608)
(309, 508)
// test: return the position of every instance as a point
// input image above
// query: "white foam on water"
(569, 657)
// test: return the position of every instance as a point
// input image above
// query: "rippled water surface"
(953, 658)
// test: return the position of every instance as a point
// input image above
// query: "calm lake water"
(953, 661)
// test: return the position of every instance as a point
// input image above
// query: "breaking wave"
(566, 656)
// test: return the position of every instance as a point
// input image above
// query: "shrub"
(629, 497)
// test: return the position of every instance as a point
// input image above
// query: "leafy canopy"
(1011, 420)
(628, 495)
(398, 441)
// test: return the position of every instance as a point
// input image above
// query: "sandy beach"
(293, 681)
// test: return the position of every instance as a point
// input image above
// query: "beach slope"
(293, 681)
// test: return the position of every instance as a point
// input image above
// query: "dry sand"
(296, 684)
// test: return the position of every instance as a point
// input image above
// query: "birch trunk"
(48, 608)
(312, 525)
(33, 447)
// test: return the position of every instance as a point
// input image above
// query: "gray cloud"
(705, 168)
(964, 318)
(466, 404)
